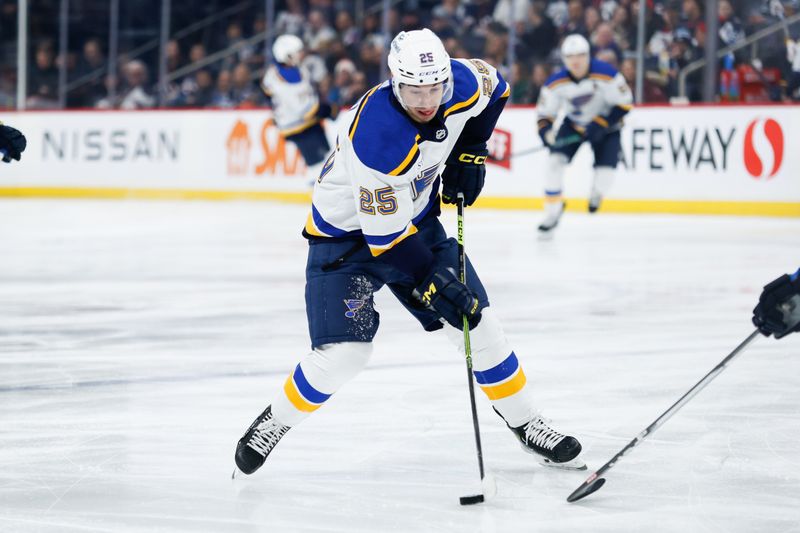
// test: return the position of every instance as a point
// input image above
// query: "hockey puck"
(471, 500)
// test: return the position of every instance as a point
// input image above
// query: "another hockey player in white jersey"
(296, 108)
(595, 97)
(374, 222)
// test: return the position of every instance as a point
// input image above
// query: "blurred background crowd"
(217, 51)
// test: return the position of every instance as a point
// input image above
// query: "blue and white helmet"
(418, 57)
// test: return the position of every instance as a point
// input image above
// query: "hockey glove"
(546, 132)
(465, 173)
(12, 143)
(594, 133)
(450, 298)
(769, 316)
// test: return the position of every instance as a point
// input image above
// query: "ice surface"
(139, 340)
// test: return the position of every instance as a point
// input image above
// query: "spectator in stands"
(793, 56)
(520, 85)
(137, 94)
(348, 32)
(591, 19)
(452, 13)
(222, 94)
(651, 91)
(575, 18)
(243, 90)
(603, 39)
(357, 88)
(731, 29)
(538, 79)
(371, 59)
(623, 29)
(90, 67)
(540, 38)
(292, 19)
(43, 81)
(508, 12)
(174, 56)
(682, 52)
(317, 33)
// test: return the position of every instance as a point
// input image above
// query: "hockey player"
(12, 143)
(374, 222)
(296, 108)
(778, 309)
(594, 97)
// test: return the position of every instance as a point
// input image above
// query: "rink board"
(703, 160)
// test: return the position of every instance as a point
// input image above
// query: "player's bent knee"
(487, 335)
(341, 361)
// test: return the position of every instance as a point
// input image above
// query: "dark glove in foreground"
(594, 133)
(450, 298)
(465, 173)
(767, 315)
(12, 142)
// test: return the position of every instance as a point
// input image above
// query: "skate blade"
(574, 464)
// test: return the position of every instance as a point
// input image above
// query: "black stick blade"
(471, 500)
(589, 486)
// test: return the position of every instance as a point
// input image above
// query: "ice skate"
(552, 215)
(595, 199)
(549, 446)
(260, 439)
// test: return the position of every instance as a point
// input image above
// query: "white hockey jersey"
(294, 100)
(383, 176)
(592, 98)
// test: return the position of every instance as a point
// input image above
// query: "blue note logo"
(353, 306)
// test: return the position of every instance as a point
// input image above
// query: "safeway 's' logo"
(277, 157)
(763, 148)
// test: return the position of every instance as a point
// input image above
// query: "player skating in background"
(296, 108)
(778, 309)
(12, 143)
(374, 221)
(594, 97)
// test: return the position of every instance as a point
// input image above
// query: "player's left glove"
(465, 173)
(769, 315)
(12, 143)
(594, 132)
(442, 290)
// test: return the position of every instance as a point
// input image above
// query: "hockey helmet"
(286, 48)
(574, 44)
(418, 58)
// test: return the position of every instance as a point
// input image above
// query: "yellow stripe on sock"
(504, 390)
(297, 400)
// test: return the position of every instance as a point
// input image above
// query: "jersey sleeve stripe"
(507, 92)
(379, 244)
(598, 76)
(465, 105)
(409, 161)
(556, 83)
(354, 125)
(299, 129)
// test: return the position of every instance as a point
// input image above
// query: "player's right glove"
(594, 132)
(12, 143)
(450, 298)
(775, 313)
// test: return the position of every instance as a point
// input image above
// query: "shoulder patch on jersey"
(601, 70)
(556, 79)
(288, 74)
(466, 89)
(383, 137)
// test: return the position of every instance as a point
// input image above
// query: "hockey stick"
(595, 481)
(566, 141)
(486, 483)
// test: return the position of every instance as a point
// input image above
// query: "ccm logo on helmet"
(763, 148)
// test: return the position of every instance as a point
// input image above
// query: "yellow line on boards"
(686, 207)
(153, 194)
